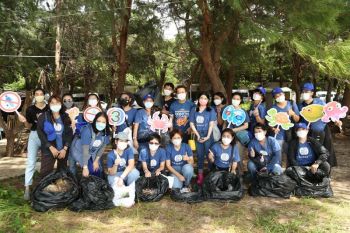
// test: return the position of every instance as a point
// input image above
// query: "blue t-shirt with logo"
(271, 150)
(319, 125)
(130, 119)
(59, 131)
(202, 119)
(282, 134)
(153, 162)
(127, 155)
(80, 123)
(95, 141)
(176, 157)
(305, 154)
(181, 113)
(262, 113)
(144, 128)
(223, 158)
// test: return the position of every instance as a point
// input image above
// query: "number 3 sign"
(116, 116)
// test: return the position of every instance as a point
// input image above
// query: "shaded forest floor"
(248, 215)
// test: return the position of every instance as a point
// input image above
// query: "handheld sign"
(312, 113)
(73, 113)
(279, 119)
(10, 101)
(116, 116)
(90, 113)
(233, 116)
(333, 111)
(160, 124)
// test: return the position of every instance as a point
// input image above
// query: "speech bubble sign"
(234, 116)
(159, 124)
(10, 101)
(333, 111)
(312, 112)
(90, 113)
(279, 119)
(116, 116)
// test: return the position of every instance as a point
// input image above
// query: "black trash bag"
(189, 197)
(151, 188)
(57, 190)
(267, 185)
(223, 186)
(96, 194)
(309, 185)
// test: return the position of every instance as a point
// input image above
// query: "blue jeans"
(34, 144)
(203, 150)
(185, 170)
(274, 168)
(133, 175)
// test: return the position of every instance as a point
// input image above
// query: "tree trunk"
(346, 96)
(297, 73)
(329, 88)
(163, 75)
(229, 82)
(58, 71)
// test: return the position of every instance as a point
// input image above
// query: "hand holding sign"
(159, 124)
(116, 116)
(233, 116)
(90, 113)
(10, 102)
(73, 113)
(279, 119)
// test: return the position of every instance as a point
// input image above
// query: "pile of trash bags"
(222, 186)
(188, 197)
(57, 190)
(268, 185)
(308, 185)
(151, 188)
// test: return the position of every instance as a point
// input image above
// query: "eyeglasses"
(154, 143)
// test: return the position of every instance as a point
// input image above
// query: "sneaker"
(185, 190)
(26, 194)
(200, 179)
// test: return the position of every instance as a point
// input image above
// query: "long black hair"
(65, 118)
(208, 109)
(93, 124)
(234, 138)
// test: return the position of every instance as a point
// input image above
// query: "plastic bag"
(57, 190)
(189, 197)
(151, 188)
(124, 195)
(223, 185)
(216, 132)
(273, 186)
(308, 185)
(96, 194)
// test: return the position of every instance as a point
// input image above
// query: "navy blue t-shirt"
(127, 155)
(176, 157)
(319, 125)
(130, 119)
(95, 141)
(144, 128)
(305, 154)
(153, 162)
(262, 113)
(202, 119)
(59, 131)
(181, 114)
(269, 150)
(223, 158)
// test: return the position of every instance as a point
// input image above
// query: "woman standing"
(202, 120)
(34, 143)
(56, 134)
(257, 111)
(219, 102)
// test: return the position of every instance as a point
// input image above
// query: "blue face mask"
(100, 126)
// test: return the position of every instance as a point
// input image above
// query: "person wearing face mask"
(121, 162)
(309, 152)
(56, 135)
(168, 99)
(141, 129)
(319, 129)
(88, 147)
(241, 131)
(125, 102)
(219, 102)
(202, 120)
(224, 154)
(289, 107)
(264, 153)
(180, 112)
(34, 143)
(152, 159)
(257, 110)
(179, 161)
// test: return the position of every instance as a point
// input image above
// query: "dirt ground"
(251, 214)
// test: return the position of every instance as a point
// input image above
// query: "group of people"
(76, 143)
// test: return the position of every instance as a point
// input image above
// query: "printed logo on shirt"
(263, 152)
(178, 158)
(153, 163)
(126, 116)
(200, 119)
(97, 143)
(224, 157)
(57, 126)
(122, 162)
(304, 151)
(181, 117)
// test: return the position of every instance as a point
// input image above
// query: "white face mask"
(181, 96)
(256, 96)
(305, 96)
(280, 99)
(148, 104)
(167, 92)
(122, 145)
(39, 98)
(226, 141)
(236, 103)
(259, 136)
(153, 147)
(55, 108)
(302, 133)
(176, 142)
(93, 102)
(217, 101)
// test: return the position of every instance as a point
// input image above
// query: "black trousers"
(48, 163)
